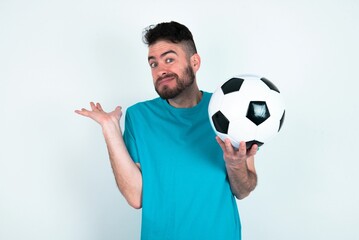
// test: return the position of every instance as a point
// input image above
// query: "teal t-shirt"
(186, 194)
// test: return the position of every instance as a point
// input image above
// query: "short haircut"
(170, 31)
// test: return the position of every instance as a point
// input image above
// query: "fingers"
(234, 156)
(221, 143)
(227, 148)
(118, 111)
(96, 107)
(242, 150)
(228, 145)
(83, 112)
(99, 107)
(93, 106)
(253, 150)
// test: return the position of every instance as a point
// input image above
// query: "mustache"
(166, 76)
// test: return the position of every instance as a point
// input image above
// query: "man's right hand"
(127, 174)
(99, 115)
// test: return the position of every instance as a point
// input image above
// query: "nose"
(161, 70)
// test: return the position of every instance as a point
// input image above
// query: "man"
(168, 161)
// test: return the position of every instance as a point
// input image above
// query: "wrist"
(110, 126)
(236, 165)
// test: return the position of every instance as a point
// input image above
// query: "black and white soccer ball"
(247, 108)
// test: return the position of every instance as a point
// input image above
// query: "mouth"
(165, 79)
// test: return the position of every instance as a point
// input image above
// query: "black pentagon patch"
(220, 122)
(257, 112)
(281, 121)
(232, 85)
(249, 144)
(270, 84)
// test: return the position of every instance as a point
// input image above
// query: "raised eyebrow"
(150, 57)
(163, 54)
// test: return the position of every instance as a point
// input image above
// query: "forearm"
(127, 174)
(242, 180)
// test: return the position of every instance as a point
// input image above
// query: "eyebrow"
(163, 54)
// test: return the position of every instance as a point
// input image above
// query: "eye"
(153, 64)
(169, 60)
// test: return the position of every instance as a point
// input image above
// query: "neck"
(186, 99)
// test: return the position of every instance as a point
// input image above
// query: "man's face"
(171, 69)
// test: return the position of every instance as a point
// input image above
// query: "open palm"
(99, 115)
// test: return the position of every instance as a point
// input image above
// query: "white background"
(56, 56)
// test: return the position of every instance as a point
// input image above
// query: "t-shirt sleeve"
(129, 139)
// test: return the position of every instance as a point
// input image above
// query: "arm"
(127, 174)
(240, 167)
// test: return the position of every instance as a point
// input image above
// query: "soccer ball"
(246, 108)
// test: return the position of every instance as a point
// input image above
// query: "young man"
(168, 161)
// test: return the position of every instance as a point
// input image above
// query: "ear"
(195, 61)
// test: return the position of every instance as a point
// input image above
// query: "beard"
(181, 84)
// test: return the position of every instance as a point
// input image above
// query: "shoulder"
(145, 108)
(145, 104)
(207, 94)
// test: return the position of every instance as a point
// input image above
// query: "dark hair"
(170, 31)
